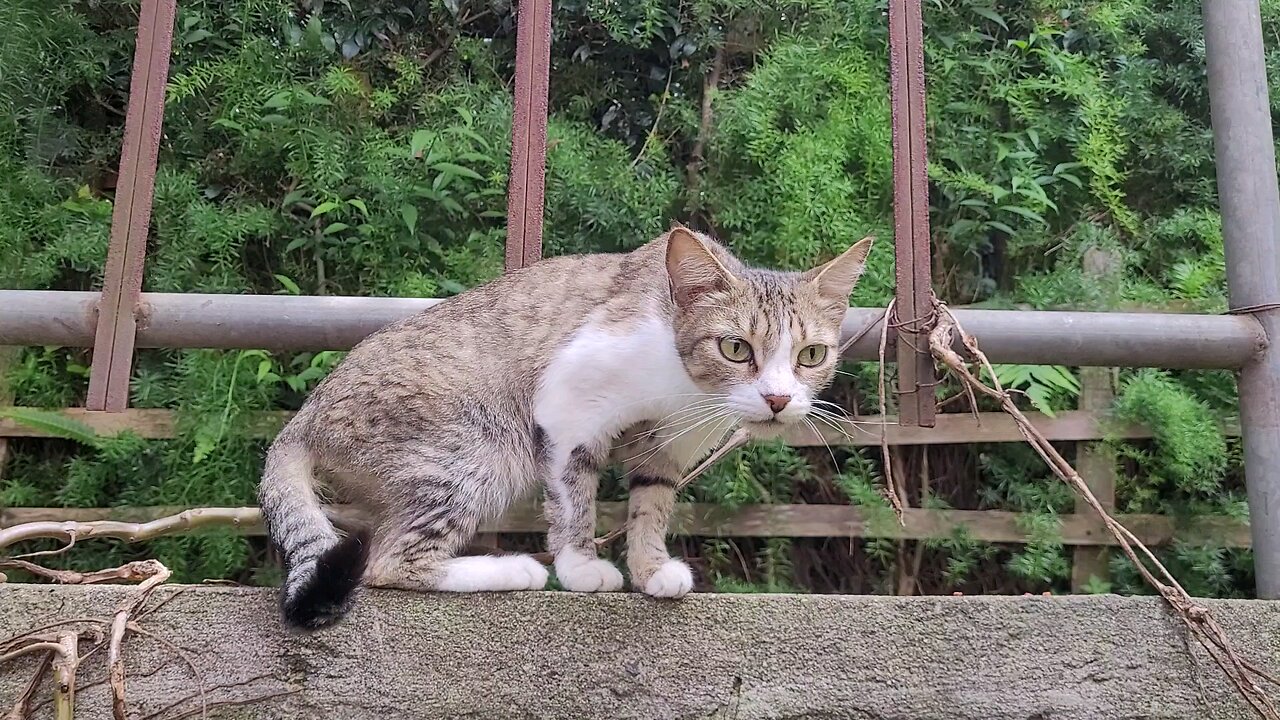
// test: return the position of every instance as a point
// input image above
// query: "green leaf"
(281, 99)
(335, 228)
(1024, 212)
(409, 214)
(293, 197)
(421, 140)
(324, 207)
(223, 122)
(359, 205)
(297, 242)
(53, 423)
(457, 170)
(991, 15)
(288, 284)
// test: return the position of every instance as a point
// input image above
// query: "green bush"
(363, 148)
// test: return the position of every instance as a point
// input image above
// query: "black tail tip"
(327, 595)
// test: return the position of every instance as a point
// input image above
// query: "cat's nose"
(777, 402)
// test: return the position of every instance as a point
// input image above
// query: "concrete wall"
(552, 655)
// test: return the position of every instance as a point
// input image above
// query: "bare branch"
(65, 665)
(131, 532)
(890, 485)
(22, 708)
(157, 573)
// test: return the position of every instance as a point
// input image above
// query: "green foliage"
(1190, 452)
(1042, 384)
(363, 149)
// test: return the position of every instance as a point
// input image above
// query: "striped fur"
(542, 377)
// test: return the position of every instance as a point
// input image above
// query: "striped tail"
(322, 569)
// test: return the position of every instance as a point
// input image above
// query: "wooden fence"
(1081, 530)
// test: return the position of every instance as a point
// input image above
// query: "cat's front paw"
(528, 574)
(673, 579)
(578, 572)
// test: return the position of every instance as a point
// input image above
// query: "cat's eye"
(735, 349)
(812, 355)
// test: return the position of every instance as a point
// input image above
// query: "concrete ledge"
(553, 655)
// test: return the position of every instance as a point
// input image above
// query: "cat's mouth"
(766, 429)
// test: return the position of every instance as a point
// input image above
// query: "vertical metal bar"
(529, 134)
(913, 300)
(1250, 202)
(113, 341)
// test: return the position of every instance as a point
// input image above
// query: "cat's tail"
(322, 568)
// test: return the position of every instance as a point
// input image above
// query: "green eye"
(735, 349)
(812, 355)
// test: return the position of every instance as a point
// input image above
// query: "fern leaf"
(54, 424)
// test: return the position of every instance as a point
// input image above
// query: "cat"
(438, 421)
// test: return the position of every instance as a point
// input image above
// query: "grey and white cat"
(437, 422)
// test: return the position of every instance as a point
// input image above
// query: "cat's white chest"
(607, 379)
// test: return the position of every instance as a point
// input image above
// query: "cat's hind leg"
(417, 551)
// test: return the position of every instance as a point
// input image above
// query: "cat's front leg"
(652, 475)
(573, 477)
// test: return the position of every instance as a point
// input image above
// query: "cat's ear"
(835, 280)
(693, 267)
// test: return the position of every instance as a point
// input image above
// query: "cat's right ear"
(693, 269)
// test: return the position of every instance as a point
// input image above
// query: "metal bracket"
(914, 296)
(113, 343)
(526, 190)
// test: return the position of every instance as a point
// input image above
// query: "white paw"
(487, 573)
(579, 573)
(527, 573)
(674, 579)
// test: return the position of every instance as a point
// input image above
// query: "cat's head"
(766, 341)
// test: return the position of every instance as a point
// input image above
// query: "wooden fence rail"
(795, 521)
(952, 428)
(1081, 531)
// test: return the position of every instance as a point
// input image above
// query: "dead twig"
(1198, 620)
(22, 708)
(134, 627)
(129, 572)
(131, 532)
(65, 664)
(227, 703)
(891, 489)
(156, 574)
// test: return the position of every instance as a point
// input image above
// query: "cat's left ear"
(835, 280)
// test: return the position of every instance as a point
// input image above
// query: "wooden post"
(1098, 468)
(1094, 462)
(8, 356)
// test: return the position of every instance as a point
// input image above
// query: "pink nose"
(777, 402)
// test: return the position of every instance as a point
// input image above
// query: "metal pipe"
(283, 322)
(1250, 202)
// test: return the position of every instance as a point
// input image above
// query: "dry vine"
(1196, 617)
(60, 648)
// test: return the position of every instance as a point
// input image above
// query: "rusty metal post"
(913, 302)
(113, 342)
(1250, 202)
(529, 134)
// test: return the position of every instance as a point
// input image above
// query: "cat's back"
(495, 337)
